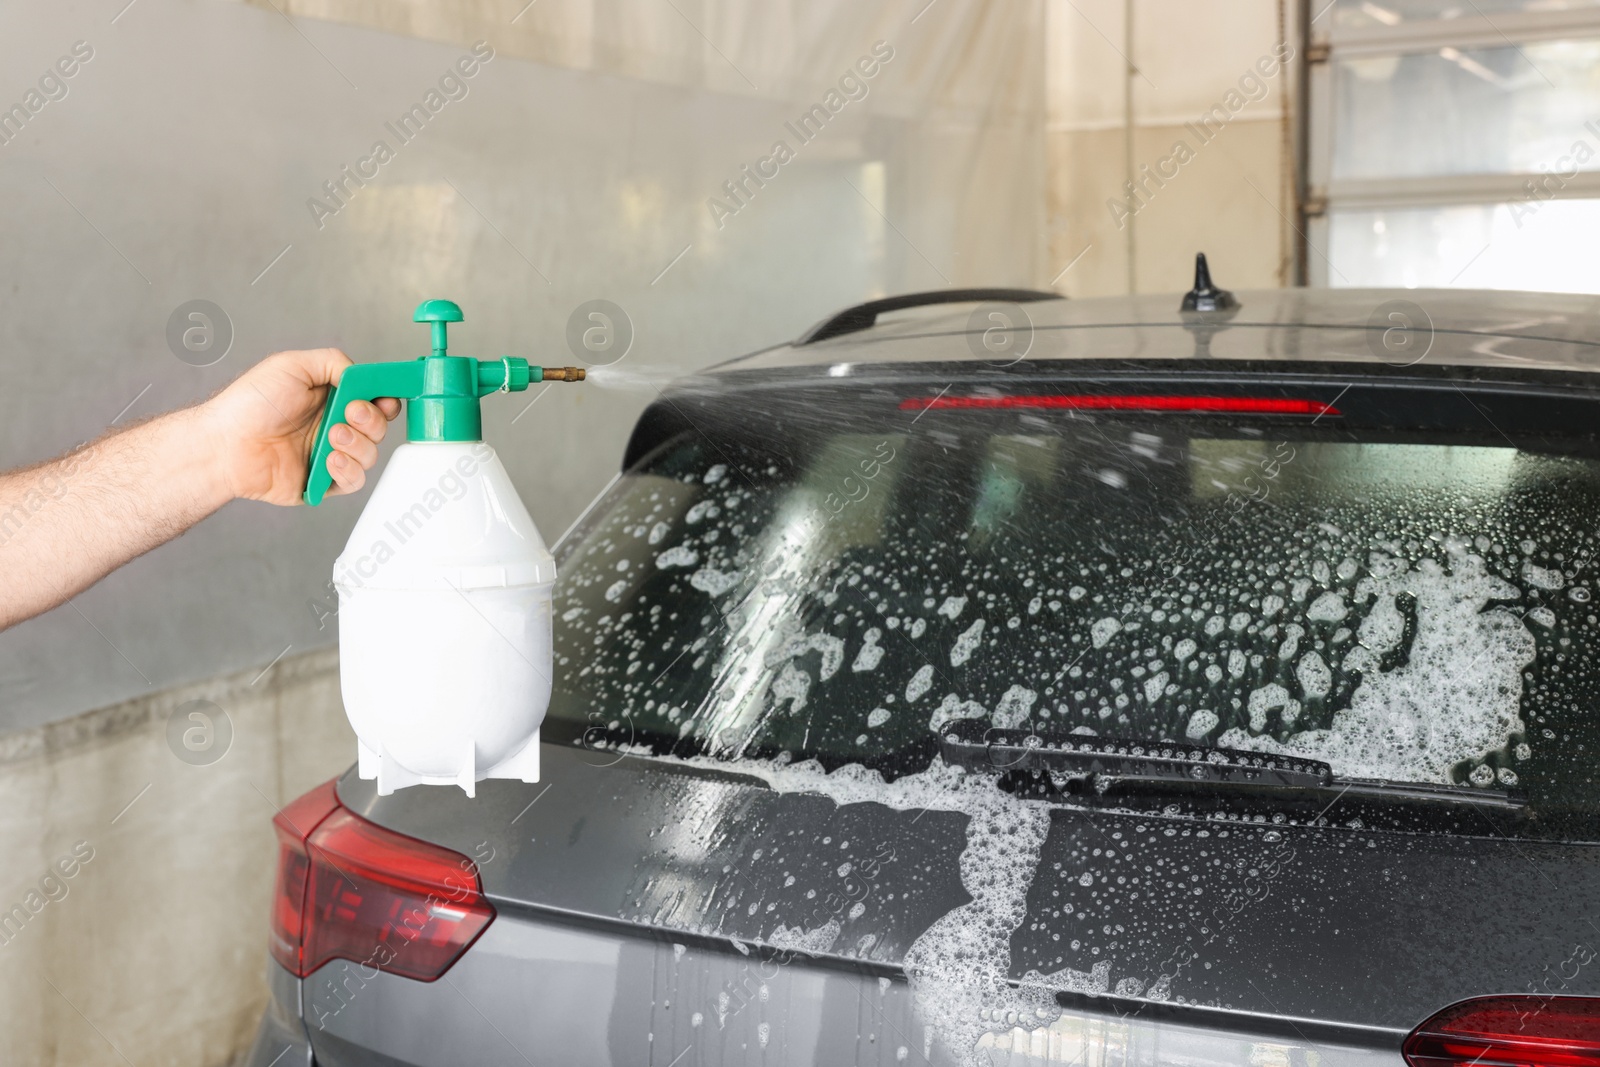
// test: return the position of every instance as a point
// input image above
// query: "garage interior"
(224, 151)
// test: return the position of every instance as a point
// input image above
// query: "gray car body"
(622, 882)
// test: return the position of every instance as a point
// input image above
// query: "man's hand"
(67, 523)
(263, 425)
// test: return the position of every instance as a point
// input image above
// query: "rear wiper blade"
(1427, 792)
(1118, 765)
(972, 744)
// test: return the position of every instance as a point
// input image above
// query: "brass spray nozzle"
(563, 374)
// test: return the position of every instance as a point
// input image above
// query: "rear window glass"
(1414, 610)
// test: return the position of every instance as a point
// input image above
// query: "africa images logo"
(854, 84)
(52, 86)
(453, 85)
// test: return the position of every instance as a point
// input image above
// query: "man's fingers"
(389, 406)
(369, 418)
(347, 473)
(355, 444)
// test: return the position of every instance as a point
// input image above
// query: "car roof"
(1381, 327)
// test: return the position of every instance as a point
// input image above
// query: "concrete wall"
(182, 162)
(179, 166)
(153, 950)
(1230, 200)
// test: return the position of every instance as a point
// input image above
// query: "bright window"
(1455, 145)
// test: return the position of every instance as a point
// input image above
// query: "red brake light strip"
(1251, 405)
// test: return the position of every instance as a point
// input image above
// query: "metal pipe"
(1127, 124)
(1302, 145)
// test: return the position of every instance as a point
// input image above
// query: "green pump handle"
(441, 392)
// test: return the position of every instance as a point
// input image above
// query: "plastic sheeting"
(957, 114)
(575, 165)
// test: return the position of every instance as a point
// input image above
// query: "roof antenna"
(1205, 296)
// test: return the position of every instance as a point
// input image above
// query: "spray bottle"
(445, 584)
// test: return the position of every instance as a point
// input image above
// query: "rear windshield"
(1413, 609)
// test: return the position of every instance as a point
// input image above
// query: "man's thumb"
(322, 366)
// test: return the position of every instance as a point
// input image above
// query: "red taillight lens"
(293, 825)
(1246, 405)
(349, 889)
(1519, 1031)
(390, 901)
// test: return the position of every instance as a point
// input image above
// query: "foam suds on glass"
(959, 966)
(1463, 658)
(1407, 666)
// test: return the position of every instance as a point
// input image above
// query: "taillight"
(1511, 1031)
(1243, 405)
(293, 825)
(350, 889)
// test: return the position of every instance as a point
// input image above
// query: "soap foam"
(677, 556)
(1454, 696)
(959, 967)
(1464, 658)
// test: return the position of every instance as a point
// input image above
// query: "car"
(989, 677)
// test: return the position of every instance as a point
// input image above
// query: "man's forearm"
(67, 523)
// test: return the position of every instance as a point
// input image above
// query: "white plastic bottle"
(445, 584)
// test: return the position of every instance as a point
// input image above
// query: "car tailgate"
(635, 894)
(538, 990)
